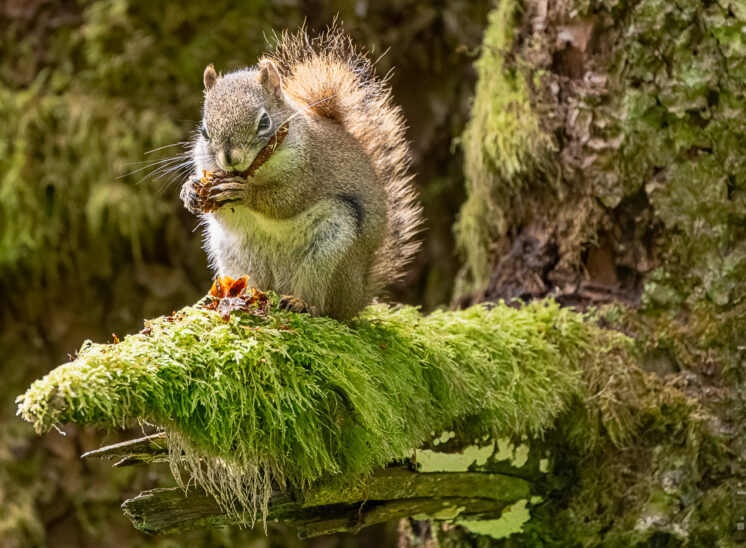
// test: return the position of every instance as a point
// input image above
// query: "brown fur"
(331, 74)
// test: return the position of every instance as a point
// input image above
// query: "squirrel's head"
(242, 111)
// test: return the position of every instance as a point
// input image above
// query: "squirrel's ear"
(210, 77)
(270, 78)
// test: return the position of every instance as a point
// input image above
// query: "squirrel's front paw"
(294, 304)
(224, 190)
(214, 190)
(190, 195)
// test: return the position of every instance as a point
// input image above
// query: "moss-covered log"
(301, 398)
(312, 408)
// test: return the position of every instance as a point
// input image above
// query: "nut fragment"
(227, 295)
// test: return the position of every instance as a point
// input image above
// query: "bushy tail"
(329, 73)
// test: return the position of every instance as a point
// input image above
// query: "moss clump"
(289, 398)
(501, 143)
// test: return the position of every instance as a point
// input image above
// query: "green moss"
(288, 400)
(655, 485)
(302, 398)
(500, 143)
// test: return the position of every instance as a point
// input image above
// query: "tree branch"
(329, 507)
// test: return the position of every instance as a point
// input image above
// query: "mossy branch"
(282, 402)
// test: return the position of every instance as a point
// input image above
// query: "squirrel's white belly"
(241, 241)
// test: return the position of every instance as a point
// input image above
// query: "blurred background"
(90, 244)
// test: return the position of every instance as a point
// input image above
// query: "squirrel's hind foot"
(299, 306)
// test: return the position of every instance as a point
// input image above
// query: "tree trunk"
(605, 166)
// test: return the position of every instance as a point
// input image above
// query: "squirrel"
(307, 168)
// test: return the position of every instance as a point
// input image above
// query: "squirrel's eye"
(265, 123)
(203, 131)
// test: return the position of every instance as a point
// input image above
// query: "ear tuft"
(270, 78)
(210, 77)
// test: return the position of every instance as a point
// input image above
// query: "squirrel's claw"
(190, 196)
(229, 190)
(294, 304)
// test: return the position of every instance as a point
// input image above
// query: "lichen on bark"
(619, 147)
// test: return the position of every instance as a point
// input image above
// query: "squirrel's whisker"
(166, 170)
(158, 164)
(180, 143)
(159, 161)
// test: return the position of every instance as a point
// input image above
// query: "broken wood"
(389, 493)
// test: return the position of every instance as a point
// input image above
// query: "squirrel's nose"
(229, 159)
